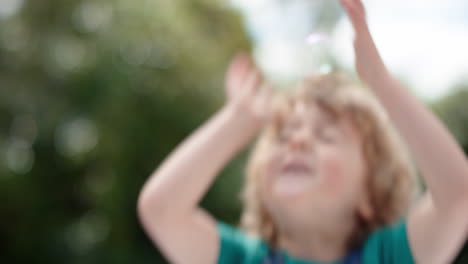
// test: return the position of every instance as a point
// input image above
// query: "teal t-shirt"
(385, 246)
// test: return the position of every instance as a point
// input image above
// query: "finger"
(264, 96)
(357, 17)
(252, 82)
(350, 10)
(360, 7)
(359, 10)
(345, 4)
(237, 70)
(355, 5)
(244, 66)
(231, 72)
(353, 8)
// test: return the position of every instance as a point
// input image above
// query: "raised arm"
(168, 204)
(438, 225)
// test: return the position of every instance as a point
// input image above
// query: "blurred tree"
(93, 95)
(453, 111)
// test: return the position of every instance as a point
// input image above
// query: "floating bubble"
(317, 38)
(10, 7)
(76, 137)
(86, 233)
(19, 157)
(93, 16)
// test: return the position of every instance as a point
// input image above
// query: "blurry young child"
(328, 181)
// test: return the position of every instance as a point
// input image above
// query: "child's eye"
(327, 134)
(283, 136)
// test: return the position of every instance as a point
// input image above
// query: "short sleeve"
(389, 245)
(237, 247)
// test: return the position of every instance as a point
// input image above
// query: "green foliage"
(453, 112)
(93, 95)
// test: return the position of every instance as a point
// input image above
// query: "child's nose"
(301, 139)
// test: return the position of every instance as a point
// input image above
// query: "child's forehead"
(310, 111)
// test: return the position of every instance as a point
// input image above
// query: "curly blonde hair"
(390, 181)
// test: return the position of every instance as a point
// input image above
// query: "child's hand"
(369, 64)
(357, 14)
(184, 232)
(247, 93)
(437, 224)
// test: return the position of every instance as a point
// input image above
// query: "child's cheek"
(333, 175)
(270, 171)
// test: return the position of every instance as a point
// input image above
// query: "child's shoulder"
(237, 246)
(388, 245)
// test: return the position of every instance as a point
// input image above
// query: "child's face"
(315, 167)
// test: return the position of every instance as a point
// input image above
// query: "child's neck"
(326, 241)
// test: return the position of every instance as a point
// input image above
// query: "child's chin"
(290, 187)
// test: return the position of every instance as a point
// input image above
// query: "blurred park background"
(95, 93)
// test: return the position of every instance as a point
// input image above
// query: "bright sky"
(424, 42)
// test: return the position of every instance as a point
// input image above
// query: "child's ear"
(365, 208)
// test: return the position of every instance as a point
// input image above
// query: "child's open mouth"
(297, 167)
(295, 177)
